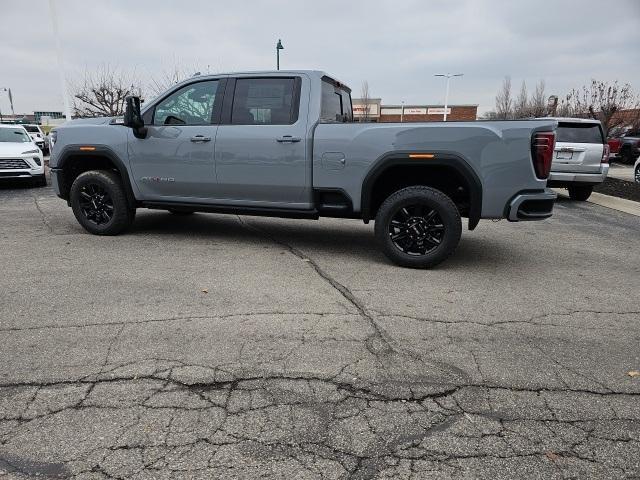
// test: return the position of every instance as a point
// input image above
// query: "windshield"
(14, 135)
(32, 128)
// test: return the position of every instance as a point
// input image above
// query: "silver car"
(580, 158)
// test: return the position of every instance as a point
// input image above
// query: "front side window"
(190, 105)
(14, 135)
(264, 101)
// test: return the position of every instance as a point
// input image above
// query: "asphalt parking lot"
(217, 346)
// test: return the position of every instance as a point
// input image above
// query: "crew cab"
(283, 143)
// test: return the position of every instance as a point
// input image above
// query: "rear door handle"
(200, 138)
(288, 139)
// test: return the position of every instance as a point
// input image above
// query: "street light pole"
(278, 48)
(8, 90)
(63, 80)
(446, 94)
(402, 112)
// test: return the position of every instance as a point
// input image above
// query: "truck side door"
(175, 160)
(263, 149)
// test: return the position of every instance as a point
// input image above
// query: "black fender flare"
(447, 159)
(70, 151)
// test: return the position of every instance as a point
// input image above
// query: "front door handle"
(200, 138)
(288, 139)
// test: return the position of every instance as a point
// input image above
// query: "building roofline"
(430, 105)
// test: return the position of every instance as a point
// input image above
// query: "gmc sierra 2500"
(284, 144)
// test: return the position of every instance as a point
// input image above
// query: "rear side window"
(580, 133)
(336, 104)
(264, 101)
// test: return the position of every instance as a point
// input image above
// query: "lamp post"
(402, 112)
(278, 48)
(62, 78)
(8, 90)
(446, 94)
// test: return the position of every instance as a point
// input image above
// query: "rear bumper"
(528, 206)
(560, 179)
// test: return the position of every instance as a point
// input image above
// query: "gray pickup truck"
(284, 144)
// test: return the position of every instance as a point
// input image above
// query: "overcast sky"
(397, 46)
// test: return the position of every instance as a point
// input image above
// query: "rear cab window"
(578, 132)
(336, 102)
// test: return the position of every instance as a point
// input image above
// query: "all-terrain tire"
(106, 190)
(580, 192)
(40, 180)
(429, 219)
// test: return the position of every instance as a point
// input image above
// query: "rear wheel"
(626, 156)
(580, 192)
(99, 203)
(40, 180)
(418, 227)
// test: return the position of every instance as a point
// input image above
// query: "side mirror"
(133, 117)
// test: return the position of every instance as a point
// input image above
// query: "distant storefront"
(375, 111)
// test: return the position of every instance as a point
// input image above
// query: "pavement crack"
(378, 343)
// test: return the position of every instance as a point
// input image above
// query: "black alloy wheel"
(99, 202)
(416, 229)
(96, 204)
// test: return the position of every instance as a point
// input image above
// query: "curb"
(614, 203)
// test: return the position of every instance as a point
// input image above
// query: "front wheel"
(580, 192)
(99, 203)
(418, 227)
(636, 174)
(40, 180)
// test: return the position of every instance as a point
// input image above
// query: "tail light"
(605, 154)
(542, 153)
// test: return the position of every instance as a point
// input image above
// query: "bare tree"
(521, 108)
(603, 101)
(103, 92)
(538, 102)
(366, 98)
(504, 102)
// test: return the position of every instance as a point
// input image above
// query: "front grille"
(13, 164)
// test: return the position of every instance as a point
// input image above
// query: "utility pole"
(278, 48)
(63, 82)
(402, 112)
(446, 94)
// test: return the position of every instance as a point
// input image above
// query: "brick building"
(377, 112)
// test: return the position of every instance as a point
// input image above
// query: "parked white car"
(38, 136)
(20, 157)
(581, 157)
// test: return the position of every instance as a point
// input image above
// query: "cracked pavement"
(311, 356)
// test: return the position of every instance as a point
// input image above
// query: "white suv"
(20, 157)
(580, 158)
(37, 135)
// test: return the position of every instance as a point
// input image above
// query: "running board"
(256, 211)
